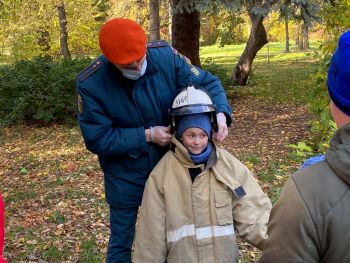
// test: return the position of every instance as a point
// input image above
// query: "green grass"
(275, 75)
(25, 194)
(90, 253)
(53, 254)
(225, 54)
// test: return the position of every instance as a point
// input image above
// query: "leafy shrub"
(301, 150)
(336, 19)
(217, 70)
(39, 90)
(322, 130)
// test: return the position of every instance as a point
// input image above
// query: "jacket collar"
(338, 155)
(183, 155)
(220, 168)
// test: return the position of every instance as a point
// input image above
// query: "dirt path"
(265, 129)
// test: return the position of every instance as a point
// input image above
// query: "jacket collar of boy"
(181, 153)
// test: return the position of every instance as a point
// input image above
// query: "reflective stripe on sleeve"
(200, 233)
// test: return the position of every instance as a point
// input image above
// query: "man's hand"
(159, 135)
(222, 127)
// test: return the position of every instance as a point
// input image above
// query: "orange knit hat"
(122, 41)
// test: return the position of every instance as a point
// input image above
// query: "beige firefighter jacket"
(185, 222)
(310, 222)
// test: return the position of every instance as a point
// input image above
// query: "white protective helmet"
(192, 100)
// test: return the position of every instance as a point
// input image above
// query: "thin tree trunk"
(257, 39)
(170, 14)
(306, 45)
(297, 38)
(287, 35)
(154, 20)
(301, 42)
(138, 11)
(165, 20)
(185, 34)
(63, 29)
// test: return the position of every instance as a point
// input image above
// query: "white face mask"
(134, 74)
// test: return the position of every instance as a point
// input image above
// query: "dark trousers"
(122, 224)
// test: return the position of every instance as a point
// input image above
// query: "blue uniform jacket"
(114, 113)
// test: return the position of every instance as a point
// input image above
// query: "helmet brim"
(193, 109)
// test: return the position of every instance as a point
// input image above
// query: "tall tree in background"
(63, 30)
(285, 13)
(32, 27)
(306, 44)
(257, 39)
(305, 13)
(186, 30)
(257, 11)
(166, 23)
(154, 28)
(286, 21)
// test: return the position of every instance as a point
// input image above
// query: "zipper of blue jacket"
(137, 84)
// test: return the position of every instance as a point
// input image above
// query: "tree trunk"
(301, 42)
(63, 29)
(257, 39)
(297, 38)
(154, 20)
(185, 33)
(165, 20)
(306, 45)
(138, 11)
(287, 35)
(170, 24)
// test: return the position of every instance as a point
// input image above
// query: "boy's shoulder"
(167, 161)
(229, 161)
(227, 156)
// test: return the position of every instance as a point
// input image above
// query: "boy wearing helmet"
(198, 195)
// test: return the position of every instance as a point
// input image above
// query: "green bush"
(335, 16)
(322, 131)
(217, 70)
(39, 90)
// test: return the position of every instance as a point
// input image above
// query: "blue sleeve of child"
(313, 160)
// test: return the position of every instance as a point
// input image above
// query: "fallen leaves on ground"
(53, 187)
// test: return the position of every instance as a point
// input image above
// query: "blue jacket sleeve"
(186, 72)
(100, 136)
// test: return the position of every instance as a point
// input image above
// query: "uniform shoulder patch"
(93, 67)
(159, 43)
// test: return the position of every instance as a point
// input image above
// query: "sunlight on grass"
(275, 75)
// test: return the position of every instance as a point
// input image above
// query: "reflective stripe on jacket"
(181, 221)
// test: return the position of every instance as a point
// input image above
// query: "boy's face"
(195, 140)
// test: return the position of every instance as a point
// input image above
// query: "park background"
(271, 56)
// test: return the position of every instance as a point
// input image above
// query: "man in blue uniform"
(123, 98)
